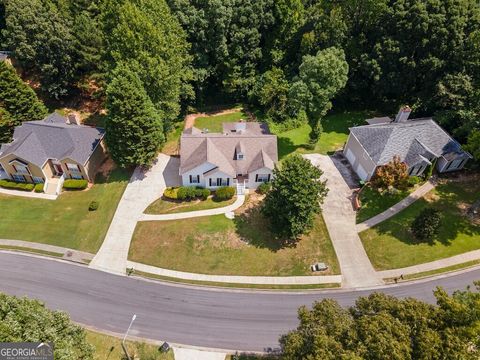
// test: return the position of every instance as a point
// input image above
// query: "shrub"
(225, 193)
(191, 192)
(182, 193)
(93, 206)
(9, 184)
(74, 184)
(171, 193)
(414, 180)
(426, 224)
(39, 188)
(395, 174)
(203, 193)
(264, 188)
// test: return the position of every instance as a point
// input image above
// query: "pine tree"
(18, 101)
(134, 129)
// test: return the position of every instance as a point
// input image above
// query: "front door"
(58, 169)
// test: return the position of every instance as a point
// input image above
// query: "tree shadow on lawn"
(453, 222)
(254, 228)
(286, 146)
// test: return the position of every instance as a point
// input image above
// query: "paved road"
(185, 315)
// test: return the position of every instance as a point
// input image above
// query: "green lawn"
(214, 122)
(110, 348)
(335, 134)
(391, 245)
(374, 203)
(65, 221)
(171, 146)
(162, 206)
(217, 245)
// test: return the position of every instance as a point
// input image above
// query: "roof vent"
(204, 131)
(74, 119)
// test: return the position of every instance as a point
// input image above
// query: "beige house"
(52, 150)
(418, 142)
(243, 155)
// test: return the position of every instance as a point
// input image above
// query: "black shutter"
(198, 179)
(190, 179)
(228, 181)
(268, 179)
(210, 182)
(256, 177)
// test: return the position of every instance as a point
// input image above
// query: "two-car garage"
(358, 158)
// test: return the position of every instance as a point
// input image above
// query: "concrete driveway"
(357, 270)
(144, 187)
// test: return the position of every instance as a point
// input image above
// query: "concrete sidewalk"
(356, 268)
(191, 214)
(395, 209)
(144, 187)
(192, 354)
(28, 194)
(257, 280)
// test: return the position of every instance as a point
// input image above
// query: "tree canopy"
(382, 327)
(294, 200)
(22, 319)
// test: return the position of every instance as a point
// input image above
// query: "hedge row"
(73, 184)
(39, 188)
(9, 184)
(225, 193)
(186, 193)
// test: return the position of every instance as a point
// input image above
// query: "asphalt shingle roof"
(53, 138)
(256, 143)
(412, 140)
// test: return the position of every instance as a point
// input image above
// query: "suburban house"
(243, 155)
(418, 142)
(52, 150)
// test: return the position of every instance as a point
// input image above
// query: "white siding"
(214, 177)
(199, 170)
(252, 184)
(359, 158)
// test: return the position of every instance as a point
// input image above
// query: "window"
(223, 182)
(262, 178)
(73, 167)
(240, 156)
(77, 176)
(19, 178)
(38, 180)
(194, 179)
(21, 169)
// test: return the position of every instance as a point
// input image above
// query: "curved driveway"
(216, 318)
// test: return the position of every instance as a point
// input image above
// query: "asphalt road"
(249, 321)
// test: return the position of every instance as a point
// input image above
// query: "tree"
(41, 40)
(22, 319)
(295, 197)
(18, 101)
(319, 80)
(473, 144)
(381, 327)
(156, 50)
(394, 173)
(271, 91)
(134, 130)
(426, 224)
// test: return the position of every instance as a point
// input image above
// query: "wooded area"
(290, 58)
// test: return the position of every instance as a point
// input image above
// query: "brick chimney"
(74, 118)
(403, 114)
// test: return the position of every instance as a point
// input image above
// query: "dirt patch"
(223, 240)
(190, 119)
(107, 167)
(253, 200)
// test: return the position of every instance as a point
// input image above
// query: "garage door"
(350, 156)
(362, 174)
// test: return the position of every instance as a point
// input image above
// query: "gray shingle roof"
(256, 143)
(53, 138)
(413, 140)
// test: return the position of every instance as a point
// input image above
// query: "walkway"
(433, 265)
(192, 354)
(28, 194)
(395, 209)
(231, 279)
(144, 187)
(191, 214)
(339, 215)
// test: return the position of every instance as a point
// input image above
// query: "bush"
(93, 206)
(225, 193)
(39, 188)
(171, 193)
(395, 174)
(264, 188)
(191, 192)
(414, 180)
(426, 224)
(203, 193)
(9, 184)
(73, 184)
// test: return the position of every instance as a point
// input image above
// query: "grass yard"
(172, 146)
(217, 245)
(335, 134)
(391, 245)
(214, 122)
(162, 206)
(65, 221)
(374, 203)
(110, 348)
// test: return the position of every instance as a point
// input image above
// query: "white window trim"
(262, 178)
